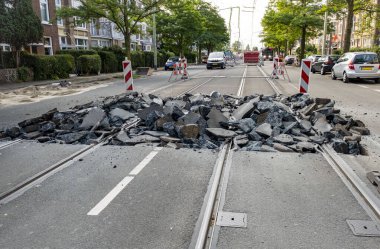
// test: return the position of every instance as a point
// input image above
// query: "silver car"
(357, 65)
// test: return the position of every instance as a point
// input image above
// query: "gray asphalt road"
(300, 204)
(136, 197)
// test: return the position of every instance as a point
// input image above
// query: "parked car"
(328, 63)
(170, 62)
(357, 65)
(314, 59)
(216, 59)
(289, 59)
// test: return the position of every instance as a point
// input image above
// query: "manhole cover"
(229, 219)
(366, 228)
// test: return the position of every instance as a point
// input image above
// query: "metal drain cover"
(366, 228)
(229, 219)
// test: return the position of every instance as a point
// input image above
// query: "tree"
(19, 25)
(247, 48)
(349, 8)
(179, 26)
(286, 21)
(214, 32)
(125, 14)
(236, 46)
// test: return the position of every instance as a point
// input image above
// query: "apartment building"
(72, 33)
(363, 32)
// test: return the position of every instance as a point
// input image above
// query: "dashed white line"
(377, 90)
(362, 86)
(144, 162)
(122, 184)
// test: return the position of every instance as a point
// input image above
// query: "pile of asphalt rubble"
(255, 123)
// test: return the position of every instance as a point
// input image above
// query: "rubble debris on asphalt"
(297, 123)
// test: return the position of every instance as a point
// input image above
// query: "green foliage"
(146, 59)
(77, 52)
(191, 57)
(120, 55)
(24, 74)
(7, 60)
(20, 25)
(285, 22)
(109, 62)
(66, 65)
(126, 15)
(236, 46)
(375, 49)
(89, 64)
(338, 51)
(45, 67)
(309, 50)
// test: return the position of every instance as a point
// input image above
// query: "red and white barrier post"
(127, 71)
(185, 74)
(305, 72)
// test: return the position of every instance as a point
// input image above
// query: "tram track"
(20, 188)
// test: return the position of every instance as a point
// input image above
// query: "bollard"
(127, 72)
(305, 72)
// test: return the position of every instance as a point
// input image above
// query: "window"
(133, 46)
(63, 42)
(148, 48)
(44, 11)
(58, 5)
(78, 23)
(5, 47)
(81, 43)
(48, 46)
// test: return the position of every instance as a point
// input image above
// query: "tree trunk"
(199, 54)
(18, 51)
(127, 41)
(349, 24)
(303, 43)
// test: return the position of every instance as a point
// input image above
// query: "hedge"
(146, 59)
(77, 52)
(7, 60)
(47, 67)
(89, 64)
(109, 62)
(24, 74)
(66, 65)
(119, 54)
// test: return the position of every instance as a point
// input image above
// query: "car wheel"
(208, 68)
(377, 80)
(312, 70)
(345, 78)
(323, 71)
(333, 76)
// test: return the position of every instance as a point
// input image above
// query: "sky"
(249, 29)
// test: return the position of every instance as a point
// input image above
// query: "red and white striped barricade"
(275, 68)
(127, 71)
(185, 74)
(305, 72)
(175, 71)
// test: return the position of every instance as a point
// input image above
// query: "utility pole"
(252, 11)
(324, 32)
(154, 41)
(229, 23)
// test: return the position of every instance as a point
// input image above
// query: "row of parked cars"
(349, 66)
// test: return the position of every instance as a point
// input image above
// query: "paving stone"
(215, 117)
(246, 124)
(284, 139)
(156, 133)
(360, 130)
(339, 145)
(282, 148)
(264, 130)
(121, 114)
(245, 109)
(189, 131)
(221, 133)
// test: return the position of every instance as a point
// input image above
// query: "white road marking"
(377, 90)
(145, 161)
(362, 86)
(110, 196)
(121, 185)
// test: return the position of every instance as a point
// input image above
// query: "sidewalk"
(4, 87)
